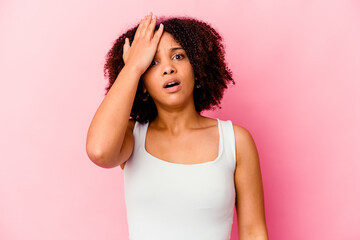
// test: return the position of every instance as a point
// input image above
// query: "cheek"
(149, 83)
(190, 69)
(146, 77)
(191, 73)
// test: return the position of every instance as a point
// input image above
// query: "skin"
(196, 137)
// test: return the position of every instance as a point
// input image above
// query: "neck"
(176, 120)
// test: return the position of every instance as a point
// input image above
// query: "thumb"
(126, 48)
(126, 45)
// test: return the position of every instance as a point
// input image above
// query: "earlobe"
(145, 96)
(143, 87)
(197, 84)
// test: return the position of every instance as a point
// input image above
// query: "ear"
(143, 85)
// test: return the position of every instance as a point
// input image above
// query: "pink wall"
(296, 64)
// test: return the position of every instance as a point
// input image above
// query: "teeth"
(171, 84)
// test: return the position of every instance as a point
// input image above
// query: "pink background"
(296, 65)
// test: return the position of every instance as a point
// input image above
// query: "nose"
(168, 71)
(168, 68)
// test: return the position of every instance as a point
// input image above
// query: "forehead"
(167, 41)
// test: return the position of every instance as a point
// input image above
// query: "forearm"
(108, 126)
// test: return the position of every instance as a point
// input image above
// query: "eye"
(179, 56)
(153, 62)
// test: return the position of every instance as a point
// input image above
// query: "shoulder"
(244, 143)
(208, 123)
(242, 134)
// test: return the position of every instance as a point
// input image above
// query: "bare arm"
(110, 123)
(109, 140)
(249, 189)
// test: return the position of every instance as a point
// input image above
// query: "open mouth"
(172, 84)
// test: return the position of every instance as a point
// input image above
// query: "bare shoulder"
(209, 122)
(241, 133)
(245, 144)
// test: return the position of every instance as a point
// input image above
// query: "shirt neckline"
(220, 150)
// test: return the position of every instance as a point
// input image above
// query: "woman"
(183, 172)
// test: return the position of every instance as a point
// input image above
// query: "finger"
(139, 28)
(150, 30)
(126, 45)
(146, 24)
(126, 48)
(158, 33)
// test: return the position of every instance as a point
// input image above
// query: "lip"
(171, 80)
(173, 89)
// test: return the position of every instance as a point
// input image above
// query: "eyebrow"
(173, 49)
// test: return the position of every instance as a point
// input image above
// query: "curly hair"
(204, 48)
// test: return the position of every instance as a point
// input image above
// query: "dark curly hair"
(204, 48)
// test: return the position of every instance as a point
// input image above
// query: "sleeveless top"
(166, 200)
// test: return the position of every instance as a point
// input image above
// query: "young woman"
(183, 173)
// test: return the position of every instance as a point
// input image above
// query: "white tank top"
(172, 201)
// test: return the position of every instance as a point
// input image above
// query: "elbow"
(254, 233)
(97, 157)
(254, 236)
(101, 163)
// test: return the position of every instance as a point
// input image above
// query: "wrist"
(133, 70)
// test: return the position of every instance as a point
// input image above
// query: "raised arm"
(109, 140)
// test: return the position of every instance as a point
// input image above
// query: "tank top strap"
(227, 139)
(229, 142)
(139, 134)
